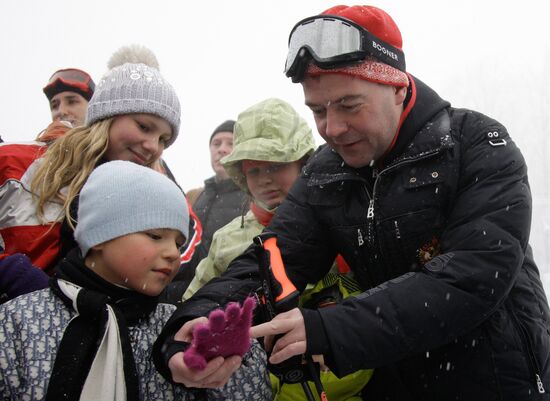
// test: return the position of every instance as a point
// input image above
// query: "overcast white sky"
(224, 56)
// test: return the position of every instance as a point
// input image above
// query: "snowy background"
(224, 56)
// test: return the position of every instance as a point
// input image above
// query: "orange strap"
(278, 268)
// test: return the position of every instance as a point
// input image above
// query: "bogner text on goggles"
(333, 41)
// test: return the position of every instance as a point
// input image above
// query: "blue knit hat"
(121, 197)
(134, 85)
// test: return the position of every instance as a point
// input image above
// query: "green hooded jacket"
(268, 131)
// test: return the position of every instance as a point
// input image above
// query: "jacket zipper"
(370, 210)
(532, 360)
(376, 174)
(370, 217)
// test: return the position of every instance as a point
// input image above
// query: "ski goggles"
(71, 79)
(332, 42)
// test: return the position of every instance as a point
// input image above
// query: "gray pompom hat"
(122, 197)
(135, 87)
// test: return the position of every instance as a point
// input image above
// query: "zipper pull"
(397, 232)
(360, 239)
(370, 210)
(540, 385)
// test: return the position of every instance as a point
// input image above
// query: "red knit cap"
(381, 25)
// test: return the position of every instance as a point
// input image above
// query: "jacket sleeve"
(208, 268)
(20, 229)
(482, 249)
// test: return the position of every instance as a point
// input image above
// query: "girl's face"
(145, 261)
(139, 138)
(270, 182)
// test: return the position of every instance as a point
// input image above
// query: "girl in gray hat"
(133, 115)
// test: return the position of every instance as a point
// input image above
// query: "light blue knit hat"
(134, 85)
(121, 197)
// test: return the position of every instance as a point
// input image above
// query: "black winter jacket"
(218, 204)
(453, 307)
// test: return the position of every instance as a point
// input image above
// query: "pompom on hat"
(134, 85)
(381, 25)
(122, 197)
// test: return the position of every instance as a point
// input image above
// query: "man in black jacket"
(220, 200)
(428, 204)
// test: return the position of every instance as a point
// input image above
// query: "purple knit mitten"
(225, 334)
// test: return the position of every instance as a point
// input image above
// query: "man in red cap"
(430, 207)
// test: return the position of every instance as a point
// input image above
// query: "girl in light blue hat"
(89, 336)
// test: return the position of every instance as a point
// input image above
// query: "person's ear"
(400, 94)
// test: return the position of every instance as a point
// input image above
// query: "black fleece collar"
(427, 104)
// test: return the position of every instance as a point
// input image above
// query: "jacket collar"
(427, 104)
(222, 186)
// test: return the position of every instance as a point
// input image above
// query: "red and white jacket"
(20, 229)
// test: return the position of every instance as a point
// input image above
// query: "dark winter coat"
(215, 206)
(218, 204)
(453, 307)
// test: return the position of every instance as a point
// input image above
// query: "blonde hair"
(68, 162)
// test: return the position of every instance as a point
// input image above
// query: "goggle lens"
(70, 76)
(325, 38)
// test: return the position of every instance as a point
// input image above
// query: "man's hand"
(216, 373)
(293, 342)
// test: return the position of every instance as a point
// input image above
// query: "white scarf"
(105, 381)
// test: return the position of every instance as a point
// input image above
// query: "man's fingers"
(282, 353)
(276, 326)
(261, 330)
